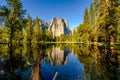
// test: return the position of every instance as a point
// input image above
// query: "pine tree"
(13, 13)
(36, 31)
(108, 20)
(29, 29)
(100, 19)
(92, 14)
(112, 20)
(86, 17)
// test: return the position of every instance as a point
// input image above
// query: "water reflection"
(36, 71)
(110, 62)
(100, 63)
(59, 61)
(13, 62)
(58, 56)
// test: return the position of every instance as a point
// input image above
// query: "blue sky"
(72, 10)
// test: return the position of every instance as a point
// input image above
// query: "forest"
(101, 24)
(90, 52)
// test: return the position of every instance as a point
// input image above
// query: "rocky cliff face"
(43, 25)
(59, 26)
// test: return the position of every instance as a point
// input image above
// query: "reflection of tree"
(36, 71)
(16, 59)
(99, 63)
(39, 54)
(110, 61)
(88, 56)
(3, 51)
(118, 56)
(13, 62)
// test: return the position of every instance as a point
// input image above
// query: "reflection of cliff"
(59, 57)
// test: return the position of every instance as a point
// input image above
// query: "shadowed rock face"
(44, 25)
(59, 26)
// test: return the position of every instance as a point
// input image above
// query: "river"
(59, 62)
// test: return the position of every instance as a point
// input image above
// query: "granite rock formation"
(59, 26)
(43, 25)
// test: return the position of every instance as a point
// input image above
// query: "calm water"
(59, 62)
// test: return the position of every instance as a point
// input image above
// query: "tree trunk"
(111, 40)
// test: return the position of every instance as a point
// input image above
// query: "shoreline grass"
(61, 42)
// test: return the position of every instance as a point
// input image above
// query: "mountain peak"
(59, 26)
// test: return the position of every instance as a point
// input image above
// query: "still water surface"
(59, 62)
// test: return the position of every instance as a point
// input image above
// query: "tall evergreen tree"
(108, 20)
(100, 19)
(36, 31)
(86, 17)
(13, 12)
(92, 14)
(112, 19)
(96, 5)
(29, 29)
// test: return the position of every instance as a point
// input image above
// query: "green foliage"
(75, 36)
(84, 31)
(46, 35)
(101, 24)
(4, 35)
(13, 13)
(29, 30)
(104, 20)
(108, 20)
(92, 14)
(65, 37)
(36, 31)
(86, 17)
